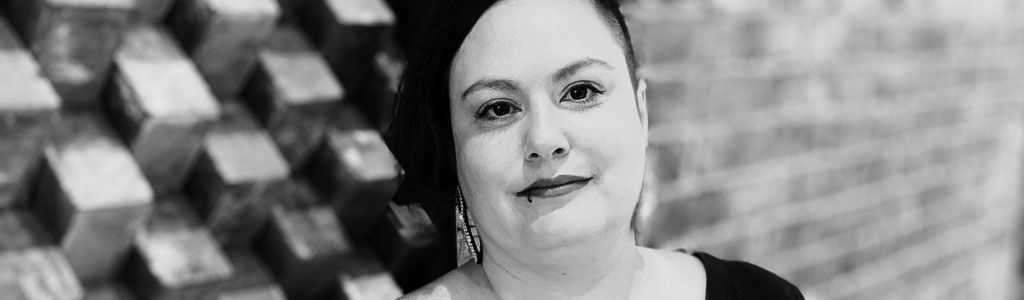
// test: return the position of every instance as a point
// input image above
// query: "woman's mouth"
(554, 187)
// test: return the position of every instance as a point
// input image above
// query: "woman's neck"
(604, 269)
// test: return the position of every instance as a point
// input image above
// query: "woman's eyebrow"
(570, 69)
(509, 85)
(494, 84)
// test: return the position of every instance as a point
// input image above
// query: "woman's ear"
(641, 103)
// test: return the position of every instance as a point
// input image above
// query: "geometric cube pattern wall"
(202, 149)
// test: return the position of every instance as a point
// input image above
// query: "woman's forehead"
(529, 38)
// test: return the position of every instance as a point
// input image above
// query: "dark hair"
(420, 135)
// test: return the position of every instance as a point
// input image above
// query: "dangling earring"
(466, 232)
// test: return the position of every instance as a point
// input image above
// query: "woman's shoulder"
(730, 279)
(460, 283)
(673, 274)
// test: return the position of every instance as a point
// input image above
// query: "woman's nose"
(545, 140)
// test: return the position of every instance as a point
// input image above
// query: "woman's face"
(541, 95)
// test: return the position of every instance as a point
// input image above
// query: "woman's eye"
(501, 109)
(497, 111)
(581, 93)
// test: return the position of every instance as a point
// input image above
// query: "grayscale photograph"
(511, 149)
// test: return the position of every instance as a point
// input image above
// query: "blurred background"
(231, 149)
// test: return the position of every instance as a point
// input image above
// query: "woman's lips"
(555, 187)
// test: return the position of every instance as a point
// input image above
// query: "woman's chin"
(566, 227)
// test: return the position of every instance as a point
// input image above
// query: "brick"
(37, 273)
(91, 222)
(259, 293)
(954, 242)
(365, 278)
(161, 105)
(74, 42)
(222, 37)
(669, 40)
(305, 248)
(406, 240)
(348, 34)
(771, 218)
(293, 93)
(358, 175)
(882, 232)
(21, 230)
(666, 101)
(234, 174)
(690, 212)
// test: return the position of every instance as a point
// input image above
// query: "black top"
(737, 280)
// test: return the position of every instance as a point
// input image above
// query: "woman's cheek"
(489, 168)
(617, 140)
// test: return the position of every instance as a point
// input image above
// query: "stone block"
(357, 173)
(20, 157)
(161, 105)
(151, 11)
(28, 104)
(37, 273)
(348, 34)
(270, 292)
(406, 241)
(293, 93)
(305, 248)
(74, 42)
(236, 116)
(230, 184)
(251, 273)
(181, 258)
(24, 91)
(347, 117)
(295, 193)
(107, 291)
(91, 222)
(365, 279)
(21, 230)
(173, 252)
(249, 277)
(169, 214)
(222, 36)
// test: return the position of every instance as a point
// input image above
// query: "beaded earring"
(466, 232)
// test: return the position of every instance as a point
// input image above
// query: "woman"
(528, 114)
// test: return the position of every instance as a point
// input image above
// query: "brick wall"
(861, 149)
